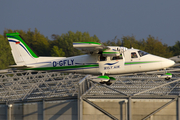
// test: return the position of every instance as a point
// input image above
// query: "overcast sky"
(104, 18)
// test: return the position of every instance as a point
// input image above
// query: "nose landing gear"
(166, 76)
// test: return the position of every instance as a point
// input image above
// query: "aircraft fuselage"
(93, 64)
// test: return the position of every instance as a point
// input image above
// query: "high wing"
(95, 48)
(89, 47)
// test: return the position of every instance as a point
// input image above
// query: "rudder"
(21, 52)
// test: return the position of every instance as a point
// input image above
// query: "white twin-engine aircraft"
(99, 60)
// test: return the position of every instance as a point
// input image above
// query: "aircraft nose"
(168, 63)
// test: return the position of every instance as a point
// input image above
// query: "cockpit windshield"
(142, 53)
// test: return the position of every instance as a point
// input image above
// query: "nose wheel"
(166, 76)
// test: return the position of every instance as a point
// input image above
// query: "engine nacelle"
(113, 51)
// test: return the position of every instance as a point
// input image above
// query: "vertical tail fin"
(22, 54)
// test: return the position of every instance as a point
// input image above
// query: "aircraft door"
(135, 61)
(102, 61)
(111, 64)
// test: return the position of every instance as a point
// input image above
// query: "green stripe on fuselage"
(133, 63)
(64, 67)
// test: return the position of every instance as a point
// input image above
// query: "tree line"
(62, 45)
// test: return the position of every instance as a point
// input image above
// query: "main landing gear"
(107, 83)
(106, 80)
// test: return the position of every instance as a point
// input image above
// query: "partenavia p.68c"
(101, 60)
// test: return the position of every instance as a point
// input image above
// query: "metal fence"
(17, 86)
(29, 85)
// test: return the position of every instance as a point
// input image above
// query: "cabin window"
(134, 55)
(117, 57)
(142, 53)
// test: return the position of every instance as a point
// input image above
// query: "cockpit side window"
(134, 55)
(117, 57)
(142, 53)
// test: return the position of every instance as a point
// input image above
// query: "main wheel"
(102, 82)
(108, 83)
(167, 78)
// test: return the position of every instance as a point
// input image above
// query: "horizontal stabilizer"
(21, 66)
